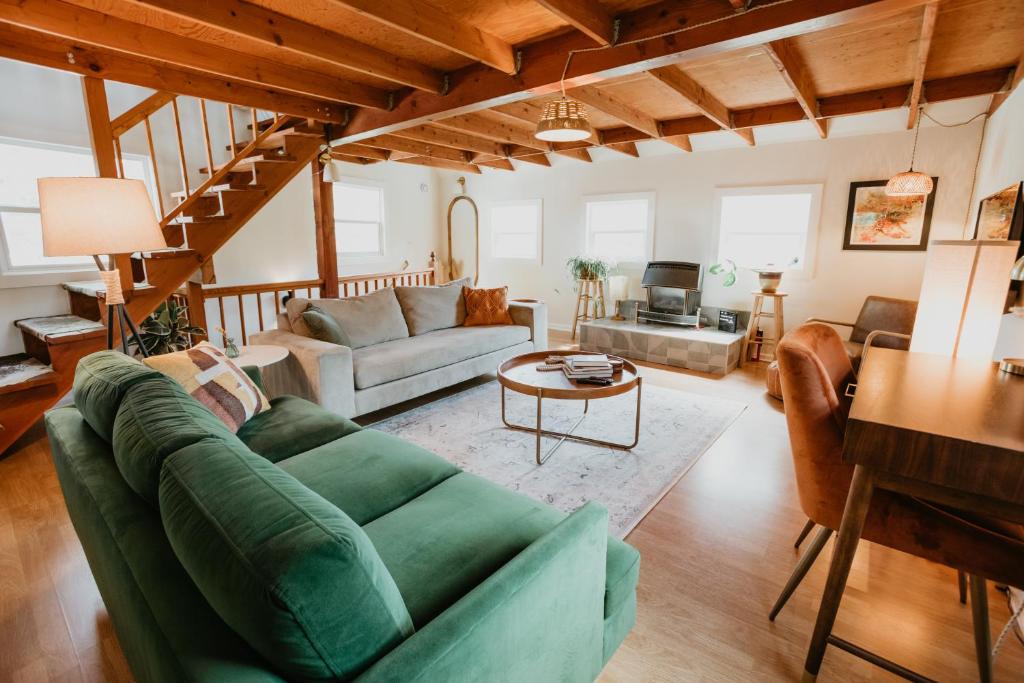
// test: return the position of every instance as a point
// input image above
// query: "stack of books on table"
(589, 366)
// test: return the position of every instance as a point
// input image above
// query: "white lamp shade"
(332, 172)
(618, 287)
(962, 297)
(95, 216)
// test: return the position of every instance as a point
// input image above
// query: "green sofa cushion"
(449, 534)
(622, 571)
(292, 425)
(291, 573)
(101, 380)
(369, 473)
(323, 327)
(156, 418)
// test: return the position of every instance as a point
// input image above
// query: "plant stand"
(758, 347)
(587, 293)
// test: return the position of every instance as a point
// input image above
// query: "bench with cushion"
(304, 547)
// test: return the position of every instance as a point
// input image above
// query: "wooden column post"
(326, 246)
(98, 116)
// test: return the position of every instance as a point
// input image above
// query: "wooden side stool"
(759, 347)
(588, 293)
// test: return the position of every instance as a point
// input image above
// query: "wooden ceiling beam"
(272, 28)
(426, 22)
(362, 161)
(924, 46)
(695, 94)
(453, 138)
(1014, 81)
(794, 72)
(501, 164)
(491, 129)
(88, 26)
(580, 154)
(539, 159)
(423, 149)
(354, 149)
(69, 55)
(524, 110)
(441, 163)
(627, 148)
(587, 16)
(616, 108)
(680, 141)
(474, 88)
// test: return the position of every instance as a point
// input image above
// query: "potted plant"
(769, 276)
(168, 329)
(583, 268)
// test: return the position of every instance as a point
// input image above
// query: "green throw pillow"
(324, 327)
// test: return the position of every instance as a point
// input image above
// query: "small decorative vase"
(769, 280)
(230, 350)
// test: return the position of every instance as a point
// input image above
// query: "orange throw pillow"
(486, 306)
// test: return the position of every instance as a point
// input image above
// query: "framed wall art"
(877, 222)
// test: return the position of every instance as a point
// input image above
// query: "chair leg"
(961, 580)
(802, 567)
(982, 636)
(803, 533)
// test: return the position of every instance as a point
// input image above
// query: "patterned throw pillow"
(486, 306)
(212, 379)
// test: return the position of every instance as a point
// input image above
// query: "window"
(762, 226)
(516, 230)
(620, 227)
(359, 220)
(21, 164)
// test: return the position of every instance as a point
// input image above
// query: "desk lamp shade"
(962, 297)
(95, 216)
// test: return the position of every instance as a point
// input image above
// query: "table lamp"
(97, 216)
(962, 297)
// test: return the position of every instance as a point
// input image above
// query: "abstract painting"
(876, 221)
(1000, 216)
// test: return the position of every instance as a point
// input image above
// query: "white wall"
(1002, 164)
(685, 226)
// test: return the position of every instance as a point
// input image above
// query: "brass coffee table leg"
(539, 431)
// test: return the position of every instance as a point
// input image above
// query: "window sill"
(44, 278)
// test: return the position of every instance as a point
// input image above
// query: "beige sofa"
(400, 362)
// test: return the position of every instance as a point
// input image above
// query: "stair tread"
(185, 220)
(21, 371)
(57, 326)
(254, 159)
(168, 253)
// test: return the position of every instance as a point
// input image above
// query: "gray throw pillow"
(323, 327)
(433, 308)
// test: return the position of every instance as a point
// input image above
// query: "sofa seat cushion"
(369, 473)
(293, 425)
(457, 534)
(289, 572)
(401, 358)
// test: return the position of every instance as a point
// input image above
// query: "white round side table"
(260, 355)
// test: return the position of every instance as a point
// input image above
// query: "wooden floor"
(715, 551)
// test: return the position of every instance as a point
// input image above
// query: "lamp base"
(118, 311)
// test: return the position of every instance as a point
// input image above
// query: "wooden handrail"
(144, 109)
(382, 276)
(235, 290)
(222, 173)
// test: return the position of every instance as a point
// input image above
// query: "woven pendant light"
(563, 120)
(910, 182)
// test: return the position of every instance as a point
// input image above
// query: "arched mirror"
(457, 253)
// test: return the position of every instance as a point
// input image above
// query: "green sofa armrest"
(539, 617)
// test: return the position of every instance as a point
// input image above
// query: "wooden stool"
(755, 346)
(588, 292)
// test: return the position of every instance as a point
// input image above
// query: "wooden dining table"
(947, 430)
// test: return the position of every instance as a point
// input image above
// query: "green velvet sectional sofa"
(307, 548)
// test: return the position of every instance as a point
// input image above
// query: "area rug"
(676, 428)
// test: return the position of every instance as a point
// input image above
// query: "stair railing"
(143, 112)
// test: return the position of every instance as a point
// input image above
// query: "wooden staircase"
(202, 221)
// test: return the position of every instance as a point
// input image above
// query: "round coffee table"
(520, 374)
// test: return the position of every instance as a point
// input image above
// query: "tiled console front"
(706, 350)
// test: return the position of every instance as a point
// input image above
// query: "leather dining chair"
(815, 371)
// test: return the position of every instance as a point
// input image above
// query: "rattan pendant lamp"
(910, 182)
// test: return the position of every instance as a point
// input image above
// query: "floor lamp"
(98, 216)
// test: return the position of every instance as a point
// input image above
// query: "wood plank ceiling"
(460, 84)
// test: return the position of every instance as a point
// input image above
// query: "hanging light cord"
(665, 34)
(977, 162)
